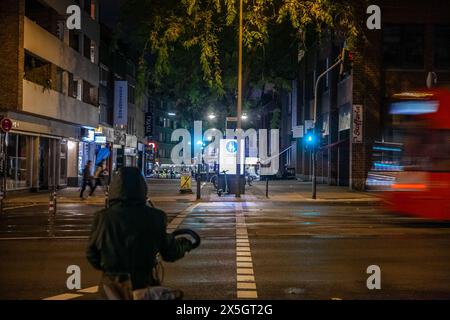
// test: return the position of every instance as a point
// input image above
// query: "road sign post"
(5, 126)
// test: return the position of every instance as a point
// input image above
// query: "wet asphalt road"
(298, 250)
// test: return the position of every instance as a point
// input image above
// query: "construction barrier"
(186, 183)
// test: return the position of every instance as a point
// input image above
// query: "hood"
(128, 185)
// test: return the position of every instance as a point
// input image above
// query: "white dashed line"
(64, 296)
(175, 223)
(246, 285)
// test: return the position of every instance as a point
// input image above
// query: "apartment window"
(74, 40)
(442, 46)
(59, 85)
(89, 49)
(74, 87)
(44, 16)
(37, 70)
(403, 46)
(104, 76)
(90, 93)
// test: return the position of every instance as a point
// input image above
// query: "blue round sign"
(231, 146)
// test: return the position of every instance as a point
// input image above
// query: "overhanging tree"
(193, 47)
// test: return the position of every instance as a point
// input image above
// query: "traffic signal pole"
(314, 150)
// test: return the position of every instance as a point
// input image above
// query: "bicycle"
(220, 191)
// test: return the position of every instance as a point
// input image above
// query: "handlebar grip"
(189, 232)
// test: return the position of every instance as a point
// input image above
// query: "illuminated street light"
(211, 116)
(244, 116)
(171, 114)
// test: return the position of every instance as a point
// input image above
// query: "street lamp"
(244, 116)
(211, 116)
(343, 57)
(171, 114)
(239, 106)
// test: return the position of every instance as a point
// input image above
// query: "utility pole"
(239, 107)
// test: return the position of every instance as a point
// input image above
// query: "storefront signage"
(88, 135)
(357, 124)
(100, 139)
(120, 103)
(149, 124)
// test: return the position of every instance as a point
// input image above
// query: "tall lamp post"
(345, 60)
(239, 107)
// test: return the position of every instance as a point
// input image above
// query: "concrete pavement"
(254, 248)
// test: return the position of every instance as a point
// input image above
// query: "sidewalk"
(66, 195)
(294, 191)
(72, 195)
(279, 190)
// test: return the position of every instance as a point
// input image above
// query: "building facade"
(49, 88)
(352, 110)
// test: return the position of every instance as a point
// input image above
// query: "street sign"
(228, 155)
(6, 124)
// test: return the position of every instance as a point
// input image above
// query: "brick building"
(414, 41)
(49, 88)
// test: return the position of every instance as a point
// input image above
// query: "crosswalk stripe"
(64, 296)
(93, 289)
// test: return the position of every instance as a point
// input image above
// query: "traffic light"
(152, 146)
(310, 139)
(347, 62)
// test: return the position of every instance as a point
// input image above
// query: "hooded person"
(126, 238)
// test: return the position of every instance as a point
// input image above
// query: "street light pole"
(314, 150)
(239, 106)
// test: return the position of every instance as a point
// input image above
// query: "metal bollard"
(198, 183)
(51, 204)
(55, 198)
(267, 187)
(107, 197)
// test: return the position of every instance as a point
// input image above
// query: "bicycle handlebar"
(189, 232)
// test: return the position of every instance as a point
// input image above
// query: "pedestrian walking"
(99, 176)
(87, 178)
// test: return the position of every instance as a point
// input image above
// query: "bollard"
(1, 203)
(267, 187)
(51, 207)
(198, 183)
(107, 197)
(55, 197)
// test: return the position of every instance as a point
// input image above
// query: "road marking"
(245, 279)
(246, 285)
(48, 237)
(245, 271)
(244, 264)
(247, 294)
(175, 223)
(19, 207)
(93, 289)
(243, 259)
(244, 254)
(64, 296)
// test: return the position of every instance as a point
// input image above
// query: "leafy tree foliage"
(193, 47)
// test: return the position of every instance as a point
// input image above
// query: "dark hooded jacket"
(127, 236)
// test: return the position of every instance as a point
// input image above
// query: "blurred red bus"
(422, 188)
